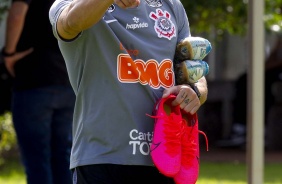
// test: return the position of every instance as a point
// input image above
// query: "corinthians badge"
(164, 27)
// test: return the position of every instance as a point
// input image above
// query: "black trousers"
(118, 174)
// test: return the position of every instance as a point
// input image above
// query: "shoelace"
(173, 131)
(206, 138)
(189, 146)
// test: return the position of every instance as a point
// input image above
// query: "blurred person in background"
(42, 98)
(273, 74)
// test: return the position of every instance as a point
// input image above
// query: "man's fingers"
(11, 61)
(134, 3)
(172, 90)
(22, 54)
(120, 3)
(182, 93)
(190, 106)
(127, 3)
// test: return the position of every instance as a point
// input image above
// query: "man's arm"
(203, 89)
(82, 14)
(15, 23)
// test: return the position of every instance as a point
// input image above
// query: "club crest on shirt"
(154, 3)
(164, 27)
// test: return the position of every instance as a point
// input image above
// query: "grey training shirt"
(118, 69)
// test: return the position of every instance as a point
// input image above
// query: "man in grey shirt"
(119, 55)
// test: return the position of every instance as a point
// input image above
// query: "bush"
(7, 135)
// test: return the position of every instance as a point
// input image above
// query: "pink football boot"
(166, 144)
(189, 170)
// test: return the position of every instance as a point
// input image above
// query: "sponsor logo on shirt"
(137, 24)
(154, 3)
(140, 141)
(149, 72)
(131, 52)
(164, 27)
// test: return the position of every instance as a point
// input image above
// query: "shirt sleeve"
(182, 21)
(54, 13)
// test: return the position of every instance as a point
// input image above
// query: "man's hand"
(185, 97)
(127, 3)
(11, 60)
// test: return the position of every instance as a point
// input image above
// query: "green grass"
(11, 172)
(236, 173)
